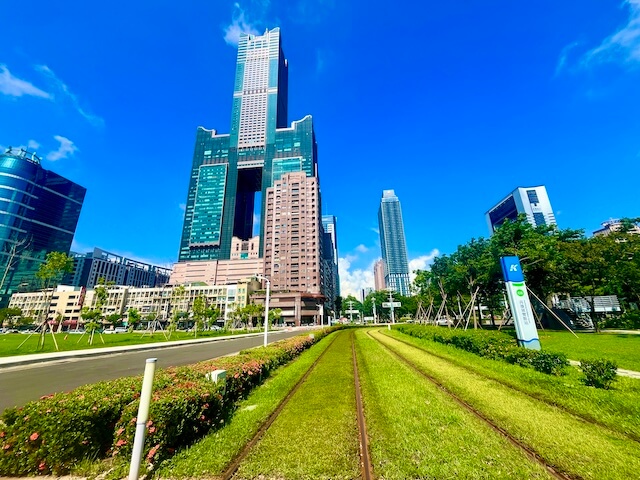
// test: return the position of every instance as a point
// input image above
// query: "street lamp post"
(266, 307)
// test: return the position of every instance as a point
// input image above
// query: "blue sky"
(451, 104)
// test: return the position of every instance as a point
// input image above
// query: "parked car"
(116, 330)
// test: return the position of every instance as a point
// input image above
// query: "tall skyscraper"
(231, 172)
(393, 243)
(530, 201)
(225, 222)
(40, 211)
(330, 254)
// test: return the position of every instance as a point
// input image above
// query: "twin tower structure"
(254, 204)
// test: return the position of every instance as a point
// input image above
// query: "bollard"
(388, 326)
(143, 416)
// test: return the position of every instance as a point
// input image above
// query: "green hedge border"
(491, 344)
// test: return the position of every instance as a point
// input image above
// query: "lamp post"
(266, 307)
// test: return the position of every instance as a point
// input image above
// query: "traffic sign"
(388, 304)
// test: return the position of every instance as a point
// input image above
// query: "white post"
(143, 416)
(266, 312)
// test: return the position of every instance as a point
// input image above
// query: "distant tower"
(330, 254)
(40, 212)
(530, 201)
(393, 244)
(378, 275)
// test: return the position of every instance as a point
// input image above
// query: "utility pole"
(351, 311)
(375, 316)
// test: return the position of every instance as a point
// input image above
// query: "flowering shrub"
(52, 434)
(492, 344)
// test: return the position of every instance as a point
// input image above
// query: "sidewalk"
(17, 360)
(621, 371)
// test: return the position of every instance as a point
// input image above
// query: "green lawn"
(316, 435)
(578, 448)
(10, 342)
(624, 349)
(426, 434)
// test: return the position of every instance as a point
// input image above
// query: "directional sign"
(526, 330)
(388, 304)
(352, 311)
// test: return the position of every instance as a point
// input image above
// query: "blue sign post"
(526, 330)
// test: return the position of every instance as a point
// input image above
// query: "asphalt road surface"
(20, 384)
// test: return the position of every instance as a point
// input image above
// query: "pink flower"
(94, 408)
(152, 430)
(6, 446)
(34, 436)
(2, 434)
(149, 423)
(119, 431)
(42, 466)
(121, 442)
(152, 452)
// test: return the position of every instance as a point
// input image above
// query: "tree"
(55, 264)
(133, 317)
(199, 311)
(274, 315)
(10, 316)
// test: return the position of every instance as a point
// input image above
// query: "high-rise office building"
(223, 235)
(230, 172)
(330, 254)
(89, 268)
(292, 259)
(378, 275)
(530, 201)
(40, 211)
(393, 243)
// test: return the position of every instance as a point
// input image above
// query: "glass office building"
(393, 243)
(39, 212)
(231, 173)
(533, 202)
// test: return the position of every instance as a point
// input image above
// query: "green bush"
(629, 320)
(491, 344)
(599, 373)
(51, 435)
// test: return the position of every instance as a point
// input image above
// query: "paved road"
(21, 384)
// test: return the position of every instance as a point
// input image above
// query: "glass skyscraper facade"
(231, 172)
(533, 202)
(39, 212)
(393, 243)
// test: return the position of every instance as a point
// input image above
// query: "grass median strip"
(316, 435)
(417, 431)
(617, 409)
(212, 454)
(574, 446)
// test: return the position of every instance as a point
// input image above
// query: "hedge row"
(51, 435)
(492, 344)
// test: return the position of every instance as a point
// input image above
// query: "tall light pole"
(266, 307)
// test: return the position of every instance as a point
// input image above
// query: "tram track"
(233, 466)
(528, 451)
(365, 456)
(630, 435)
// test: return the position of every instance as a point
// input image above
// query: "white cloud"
(375, 230)
(421, 263)
(353, 281)
(362, 248)
(65, 149)
(564, 56)
(183, 207)
(624, 45)
(239, 24)
(33, 145)
(15, 87)
(62, 87)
